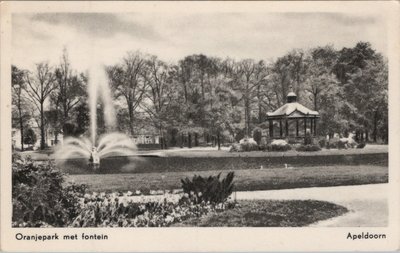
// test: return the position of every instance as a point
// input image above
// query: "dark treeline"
(203, 99)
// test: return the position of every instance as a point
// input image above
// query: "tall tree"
(70, 91)
(129, 80)
(39, 86)
(159, 95)
(249, 75)
(18, 100)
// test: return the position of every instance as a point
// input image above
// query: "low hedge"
(308, 148)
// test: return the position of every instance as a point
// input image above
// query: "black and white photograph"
(216, 119)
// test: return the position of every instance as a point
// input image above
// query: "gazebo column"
(311, 126)
(297, 127)
(286, 128)
(280, 127)
(305, 126)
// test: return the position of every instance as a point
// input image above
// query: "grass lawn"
(269, 213)
(245, 180)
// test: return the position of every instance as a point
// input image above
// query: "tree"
(70, 89)
(39, 86)
(288, 71)
(319, 77)
(29, 136)
(248, 76)
(19, 101)
(129, 81)
(159, 94)
(363, 77)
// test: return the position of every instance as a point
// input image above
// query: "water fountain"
(109, 144)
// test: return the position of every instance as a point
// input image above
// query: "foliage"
(210, 96)
(361, 145)
(257, 135)
(308, 139)
(247, 144)
(210, 189)
(111, 210)
(236, 147)
(29, 136)
(277, 145)
(38, 195)
(309, 147)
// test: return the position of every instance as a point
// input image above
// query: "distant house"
(146, 136)
(49, 137)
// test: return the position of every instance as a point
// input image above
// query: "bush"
(257, 135)
(209, 189)
(322, 143)
(38, 196)
(245, 145)
(361, 145)
(279, 145)
(236, 147)
(249, 145)
(308, 148)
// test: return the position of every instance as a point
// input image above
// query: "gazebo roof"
(293, 110)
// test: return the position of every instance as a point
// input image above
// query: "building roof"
(293, 110)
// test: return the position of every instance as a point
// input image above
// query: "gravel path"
(367, 204)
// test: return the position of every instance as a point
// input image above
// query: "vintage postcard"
(200, 126)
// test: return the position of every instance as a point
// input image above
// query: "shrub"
(308, 148)
(249, 146)
(210, 189)
(29, 137)
(245, 145)
(308, 139)
(322, 143)
(333, 143)
(236, 147)
(361, 145)
(279, 145)
(38, 196)
(257, 135)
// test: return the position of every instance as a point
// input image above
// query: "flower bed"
(41, 200)
(108, 210)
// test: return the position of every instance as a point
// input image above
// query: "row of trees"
(210, 97)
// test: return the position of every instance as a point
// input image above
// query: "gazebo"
(292, 120)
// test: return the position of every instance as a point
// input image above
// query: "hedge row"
(113, 165)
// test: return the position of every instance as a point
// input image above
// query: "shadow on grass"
(269, 213)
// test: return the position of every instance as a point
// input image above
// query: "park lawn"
(245, 180)
(269, 213)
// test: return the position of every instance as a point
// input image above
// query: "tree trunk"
(21, 124)
(161, 139)
(182, 140)
(55, 136)
(315, 102)
(375, 133)
(247, 116)
(42, 134)
(130, 110)
(196, 139)
(219, 141)
(189, 140)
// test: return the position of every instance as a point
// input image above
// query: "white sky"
(106, 37)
